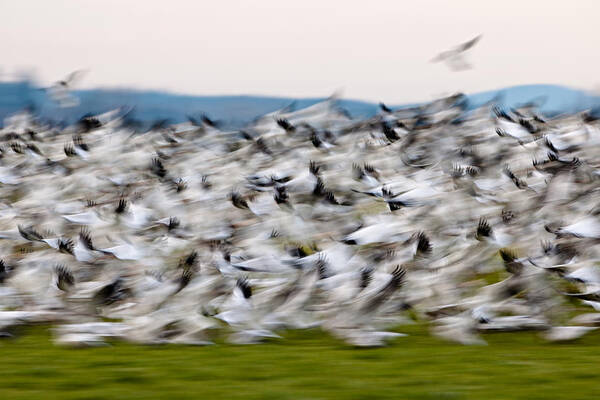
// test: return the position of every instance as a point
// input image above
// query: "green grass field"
(304, 365)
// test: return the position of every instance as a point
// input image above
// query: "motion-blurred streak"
(474, 220)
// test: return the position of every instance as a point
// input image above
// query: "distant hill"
(236, 111)
(552, 98)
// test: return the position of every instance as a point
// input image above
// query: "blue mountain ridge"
(235, 111)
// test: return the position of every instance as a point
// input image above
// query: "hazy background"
(372, 50)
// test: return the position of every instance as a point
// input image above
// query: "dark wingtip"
(86, 238)
(121, 206)
(384, 107)
(483, 228)
(173, 223)
(65, 278)
(398, 275)
(244, 286)
(314, 168)
(423, 244)
(507, 255)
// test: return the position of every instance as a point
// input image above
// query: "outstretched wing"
(74, 77)
(443, 56)
(467, 45)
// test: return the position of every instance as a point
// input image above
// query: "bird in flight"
(455, 58)
(60, 91)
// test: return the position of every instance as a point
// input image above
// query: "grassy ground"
(305, 365)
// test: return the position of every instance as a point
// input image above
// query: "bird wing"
(451, 54)
(444, 55)
(467, 45)
(74, 76)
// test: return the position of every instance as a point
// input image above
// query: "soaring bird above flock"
(455, 58)
(60, 91)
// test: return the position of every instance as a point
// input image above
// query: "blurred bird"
(455, 58)
(60, 92)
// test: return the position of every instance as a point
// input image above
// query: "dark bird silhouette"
(385, 108)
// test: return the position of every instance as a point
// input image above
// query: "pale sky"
(370, 49)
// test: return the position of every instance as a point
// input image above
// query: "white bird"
(567, 333)
(61, 90)
(455, 58)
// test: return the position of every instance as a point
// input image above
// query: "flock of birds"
(473, 220)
